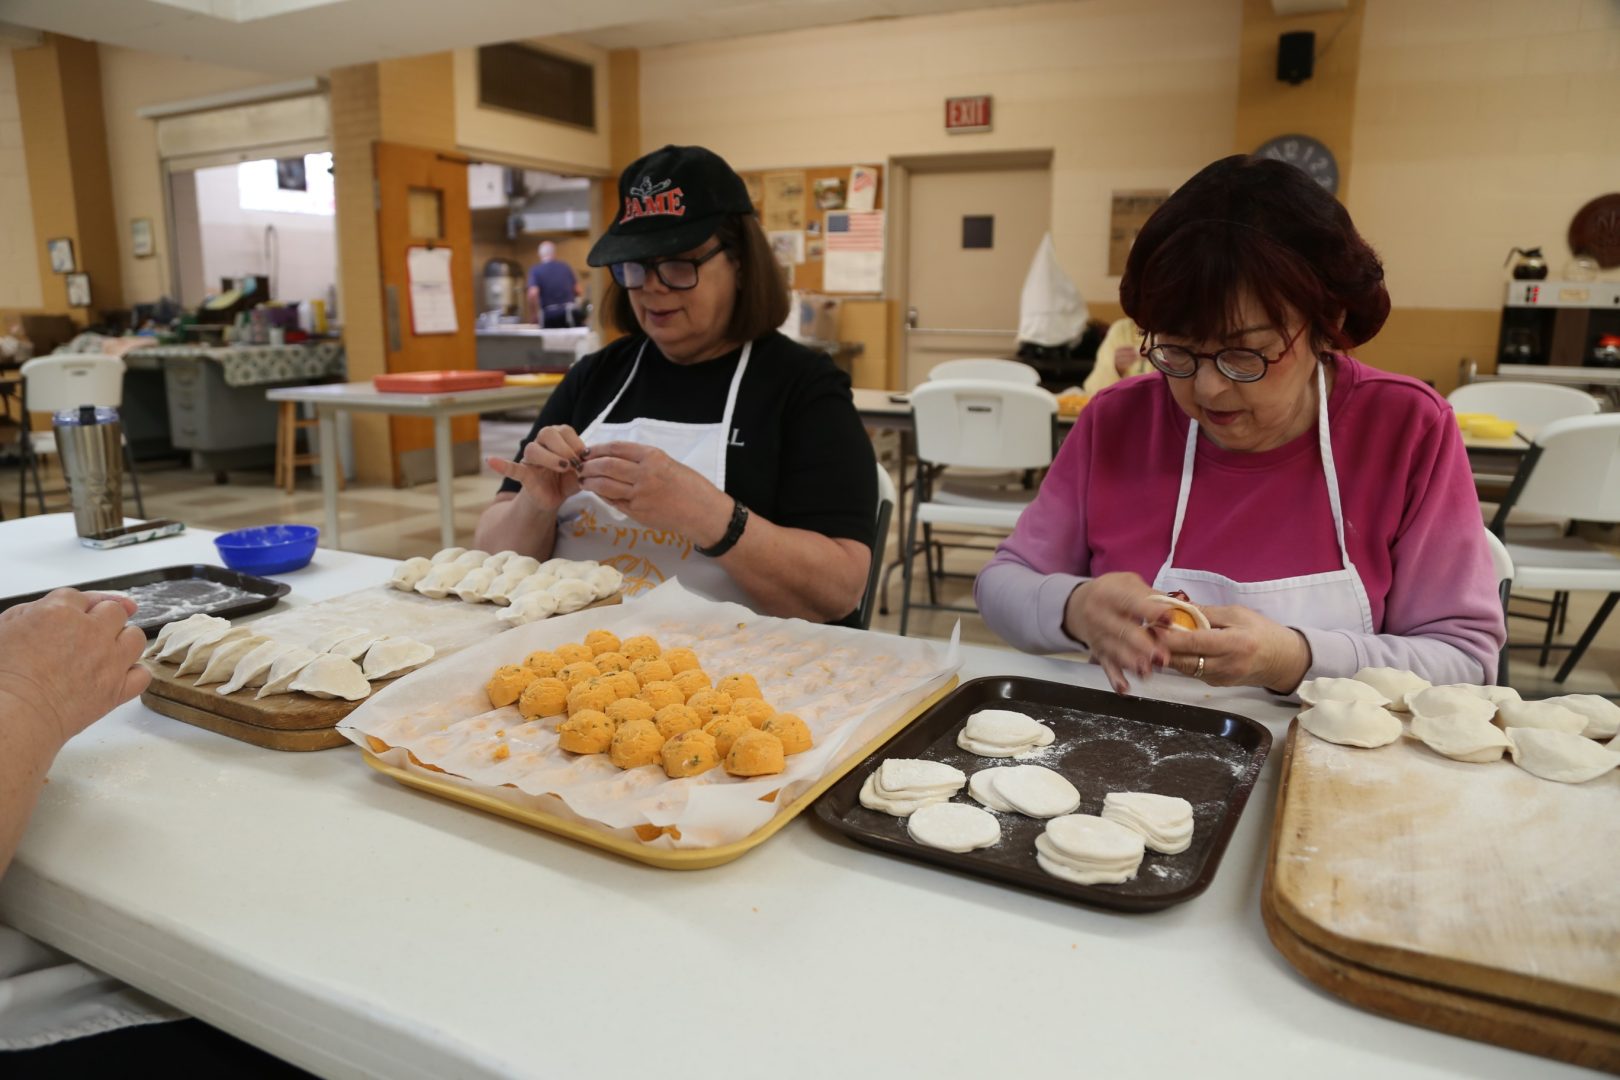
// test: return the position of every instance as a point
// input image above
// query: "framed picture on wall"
(61, 251)
(78, 290)
(140, 237)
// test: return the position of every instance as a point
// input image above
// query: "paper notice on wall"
(433, 300)
(784, 202)
(863, 184)
(788, 247)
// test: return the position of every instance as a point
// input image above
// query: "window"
(259, 186)
(536, 83)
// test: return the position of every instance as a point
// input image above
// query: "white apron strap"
(725, 419)
(635, 367)
(1325, 441)
(1186, 489)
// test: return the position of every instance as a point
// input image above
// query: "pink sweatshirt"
(1412, 522)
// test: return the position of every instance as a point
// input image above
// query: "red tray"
(438, 382)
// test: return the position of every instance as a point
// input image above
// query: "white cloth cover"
(1051, 311)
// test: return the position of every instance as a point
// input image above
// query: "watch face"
(1315, 159)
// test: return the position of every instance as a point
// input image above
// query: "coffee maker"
(1559, 323)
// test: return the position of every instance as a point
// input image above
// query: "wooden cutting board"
(301, 722)
(1476, 899)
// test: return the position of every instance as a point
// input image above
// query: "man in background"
(553, 289)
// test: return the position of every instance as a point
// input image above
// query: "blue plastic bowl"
(268, 549)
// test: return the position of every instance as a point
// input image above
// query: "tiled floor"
(396, 523)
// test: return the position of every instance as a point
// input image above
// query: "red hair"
(1258, 228)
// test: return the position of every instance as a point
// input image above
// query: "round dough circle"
(954, 827)
(1036, 791)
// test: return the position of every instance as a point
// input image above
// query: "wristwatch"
(734, 531)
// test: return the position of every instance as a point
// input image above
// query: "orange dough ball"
(574, 652)
(680, 660)
(740, 686)
(611, 661)
(640, 647)
(755, 754)
(635, 743)
(577, 672)
(601, 641)
(625, 684)
(691, 681)
(689, 754)
(673, 720)
(508, 684)
(624, 710)
(793, 733)
(659, 694)
(752, 709)
(710, 703)
(545, 662)
(726, 730)
(544, 697)
(588, 732)
(594, 694)
(651, 671)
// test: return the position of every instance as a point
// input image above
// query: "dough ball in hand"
(544, 662)
(688, 754)
(640, 647)
(574, 652)
(587, 732)
(726, 730)
(507, 684)
(635, 743)
(790, 731)
(594, 694)
(627, 709)
(578, 672)
(659, 694)
(544, 697)
(756, 753)
(680, 660)
(601, 641)
(673, 720)
(740, 686)
(691, 681)
(710, 703)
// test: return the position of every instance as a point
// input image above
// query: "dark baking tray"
(188, 590)
(1105, 742)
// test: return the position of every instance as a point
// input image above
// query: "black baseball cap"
(670, 201)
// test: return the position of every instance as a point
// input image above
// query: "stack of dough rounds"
(902, 786)
(1165, 821)
(1089, 850)
(953, 827)
(1441, 701)
(1460, 737)
(1559, 755)
(1602, 715)
(627, 699)
(1032, 790)
(1316, 691)
(1002, 733)
(1393, 683)
(1546, 715)
(1351, 723)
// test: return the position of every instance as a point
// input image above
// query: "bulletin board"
(807, 273)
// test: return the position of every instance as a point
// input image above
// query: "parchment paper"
(847, 686)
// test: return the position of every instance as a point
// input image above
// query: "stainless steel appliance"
(503, 287)
(1558, 323)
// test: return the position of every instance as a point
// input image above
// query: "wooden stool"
(288, 459)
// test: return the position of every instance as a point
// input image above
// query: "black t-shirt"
(797, 454)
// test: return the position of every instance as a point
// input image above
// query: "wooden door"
(422, 203)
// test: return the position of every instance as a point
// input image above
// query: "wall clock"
(1310, 155)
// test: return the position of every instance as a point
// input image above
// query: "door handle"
(911, 318)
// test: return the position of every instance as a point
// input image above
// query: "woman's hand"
(548, 471)
(68, 659)
(657, 491)
(1107, 613)
(1124, 358)
(1244, 649)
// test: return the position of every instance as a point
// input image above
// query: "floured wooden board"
(302, 722)
(1480, 880)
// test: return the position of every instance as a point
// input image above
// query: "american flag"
(855, 232)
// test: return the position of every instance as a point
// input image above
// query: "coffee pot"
(1529, 266)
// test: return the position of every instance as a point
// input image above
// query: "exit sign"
(965, 114)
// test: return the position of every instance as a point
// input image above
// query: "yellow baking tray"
(682, 859)
(535, 379)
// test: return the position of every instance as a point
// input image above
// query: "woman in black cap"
(704, 445)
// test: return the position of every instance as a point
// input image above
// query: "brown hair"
(1253, 226)
(762, 297)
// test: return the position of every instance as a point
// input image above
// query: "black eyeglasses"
(678, 274)
(1239, 365)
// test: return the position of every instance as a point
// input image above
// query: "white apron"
(1333, 600)
(589, 528)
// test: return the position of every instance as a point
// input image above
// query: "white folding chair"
(1010, 370)
(1502, 563)
(1572, 470)
(973, 424)
(56, 382)
(880, 545)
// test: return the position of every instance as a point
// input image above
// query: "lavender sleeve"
(1442, 616)
(1023, 590)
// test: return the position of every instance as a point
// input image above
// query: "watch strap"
(734, 531)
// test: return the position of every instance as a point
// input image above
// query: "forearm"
(26, 753)
(515, 523)
(1340, 654)
(1024, 606)
(796, 573)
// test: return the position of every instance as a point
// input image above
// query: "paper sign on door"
(433, 301)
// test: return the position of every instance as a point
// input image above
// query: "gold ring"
(1198, 672)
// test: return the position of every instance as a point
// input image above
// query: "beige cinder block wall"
(20, 273)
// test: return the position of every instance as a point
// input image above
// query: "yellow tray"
(540, 379)
(693, 859)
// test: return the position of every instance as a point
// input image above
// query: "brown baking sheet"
(1105, 742)
(177, 592)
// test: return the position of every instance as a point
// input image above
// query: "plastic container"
(268, 549)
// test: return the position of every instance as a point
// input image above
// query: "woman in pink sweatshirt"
(1320, 512)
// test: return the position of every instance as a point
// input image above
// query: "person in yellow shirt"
(1119, 356)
